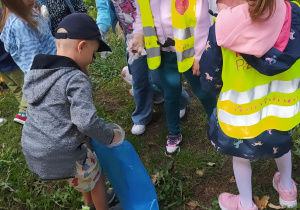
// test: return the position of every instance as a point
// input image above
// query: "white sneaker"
(138, 129)
(126, 75)
(182, 113)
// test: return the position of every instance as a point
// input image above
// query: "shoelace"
(172, 139)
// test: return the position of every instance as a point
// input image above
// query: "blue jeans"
(145, 83)
(143, 93)
(171, 82)
(158, 89)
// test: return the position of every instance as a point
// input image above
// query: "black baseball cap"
(81, 26)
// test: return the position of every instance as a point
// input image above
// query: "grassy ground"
(184, 178)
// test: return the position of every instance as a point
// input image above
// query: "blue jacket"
(106, 16)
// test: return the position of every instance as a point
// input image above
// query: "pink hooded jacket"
(236, 31)
(161, 11)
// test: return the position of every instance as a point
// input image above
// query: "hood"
(46, 70)
(236, 31)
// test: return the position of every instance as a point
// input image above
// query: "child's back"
(60, 114)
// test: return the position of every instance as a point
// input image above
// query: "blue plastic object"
(127, 175)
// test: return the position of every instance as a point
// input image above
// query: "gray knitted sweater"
(60, 114)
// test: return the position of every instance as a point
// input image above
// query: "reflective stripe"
(252, 119)
(185, 54)
(153, 52)
(260, 91)
(183, 34)
(149, 31)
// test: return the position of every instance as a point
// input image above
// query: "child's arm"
(83, 112)
(201, 29)
(211, 65)
(104, 20)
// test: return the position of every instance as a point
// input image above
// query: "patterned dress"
(59, 9)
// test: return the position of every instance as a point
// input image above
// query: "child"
(24, 33)
(109, 13)
(175, 35)
(14, 78)
(58, 9)
(61, 112)
(257, 70)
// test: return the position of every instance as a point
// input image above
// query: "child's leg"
(170, 80)
(15, 80)
(99, 195)
(243, 172)
(284, 165)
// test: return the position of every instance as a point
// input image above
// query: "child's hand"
(196, 68)
(136, 44)
(119, 135)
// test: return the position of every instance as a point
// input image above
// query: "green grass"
(177, 183)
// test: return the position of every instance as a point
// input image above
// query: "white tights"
(243, 172)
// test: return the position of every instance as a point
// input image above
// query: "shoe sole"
(176, 151)
(288, 204)
(21, 122)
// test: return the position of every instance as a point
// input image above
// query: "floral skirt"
(270, 143)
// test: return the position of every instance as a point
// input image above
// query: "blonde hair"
(257, 8)
(19, 8)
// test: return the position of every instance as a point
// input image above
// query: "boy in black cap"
(61, 112)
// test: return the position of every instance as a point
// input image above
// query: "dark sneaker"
(110, 195)
(116, 207)
(20, 118)
(173, 141)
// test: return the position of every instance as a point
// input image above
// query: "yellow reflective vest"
(183, 23)
(250, 102)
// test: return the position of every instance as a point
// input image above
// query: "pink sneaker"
(287, 198)
(20, 118)
(228, 201)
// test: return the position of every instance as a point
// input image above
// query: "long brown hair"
(257, 8)
(19, 8)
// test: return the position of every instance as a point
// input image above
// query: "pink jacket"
(161, 11)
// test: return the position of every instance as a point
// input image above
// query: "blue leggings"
(171, 84)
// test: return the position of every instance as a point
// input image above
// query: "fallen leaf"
(192, 204)
(151, 144)
(272, 206)
(232, 179)
(262, 203)
(200, 172)
(211, 164)
(154, 178)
